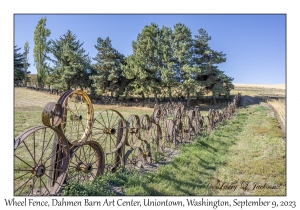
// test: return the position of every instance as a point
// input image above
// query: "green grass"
(239, 157)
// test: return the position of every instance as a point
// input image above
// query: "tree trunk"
(214, 100)
(143, 98)
(170, 94)
(155, 96)
(188, 99)
(25, 78)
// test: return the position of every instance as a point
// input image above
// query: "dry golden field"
(274, 95)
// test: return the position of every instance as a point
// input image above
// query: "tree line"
(165, 62)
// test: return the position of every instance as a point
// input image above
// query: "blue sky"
(255, 45)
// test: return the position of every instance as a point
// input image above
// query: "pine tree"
(108, 75)
(211, 78)
(182, 52)
(72, 65)
(40, 51)
(18, 66)
(168, 74)
(143, 67)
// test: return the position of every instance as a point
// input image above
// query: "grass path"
(244, 156)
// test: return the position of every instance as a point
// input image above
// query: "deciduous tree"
(40, 51)
(25, 62)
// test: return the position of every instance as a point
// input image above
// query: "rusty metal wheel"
(52, 114)
(178, 126)
(145, 123)
(133, 127)
(193, 123)
(134, 157)
(163, 128)
(109, 130)
(156, 116)
(87, 162)
(34, 171)
(146, 149)
(197, 119)
(77, 117)
(155, 140)
(169, 134)
(186, 130)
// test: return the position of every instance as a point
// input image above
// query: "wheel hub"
(75, 117)
(110, 131)
(39, 170)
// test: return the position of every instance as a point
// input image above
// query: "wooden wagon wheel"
(87, 162)
(34, 171)
(77, 118)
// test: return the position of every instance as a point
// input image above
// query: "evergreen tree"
(40, 51)
(143, 67)
(168, 74)
(72, 66)
(18, 66)
(211, 78)
(108, 75)
(182, 52)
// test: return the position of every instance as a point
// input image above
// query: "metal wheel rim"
(34, 152)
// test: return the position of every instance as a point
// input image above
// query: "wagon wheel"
(178, 126)
(186, 128)
(210, 120)
(164, 140)
(77, 117)
(34, 171)
(134, 158)
(146, 149)
(154, 139)
(156, 116)
(145, 123)
(193, 123)
(109, 130)
(143, 143)
(52, 114)
(133, 127)
(87, 162)
(164, 113)
(169, 132)
(201, 124)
